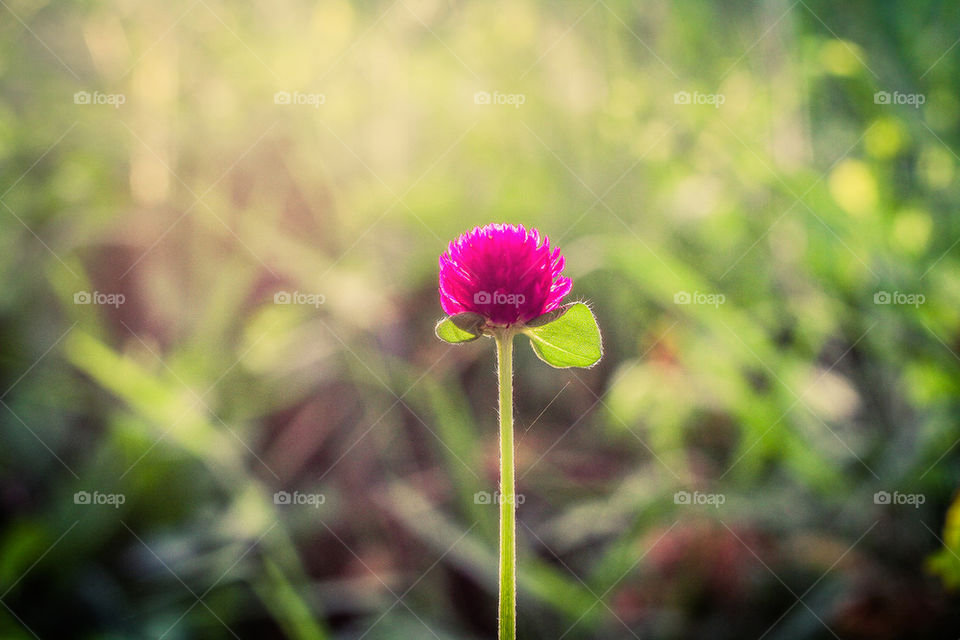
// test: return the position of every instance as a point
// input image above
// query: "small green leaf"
(462, 327)
(571, 339)
(548, 317)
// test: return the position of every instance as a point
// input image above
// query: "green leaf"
(463, 327)
(571, 339)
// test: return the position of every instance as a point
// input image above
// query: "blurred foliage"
(739, 153)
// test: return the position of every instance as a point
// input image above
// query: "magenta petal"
(506, 273)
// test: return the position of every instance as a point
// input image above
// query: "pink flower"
(505, 273)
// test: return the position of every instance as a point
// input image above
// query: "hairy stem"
(508, 537)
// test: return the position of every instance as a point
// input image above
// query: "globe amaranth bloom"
(506, 273)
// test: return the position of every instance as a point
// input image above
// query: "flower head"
(506, 273)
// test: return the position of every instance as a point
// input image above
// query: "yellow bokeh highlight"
(885, 138)
(333, 24)
(911, 231)
(935, 167)
(853, 187)
(840, 57)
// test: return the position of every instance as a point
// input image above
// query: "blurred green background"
(224, 410)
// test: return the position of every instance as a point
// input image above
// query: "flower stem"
(508, 537)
